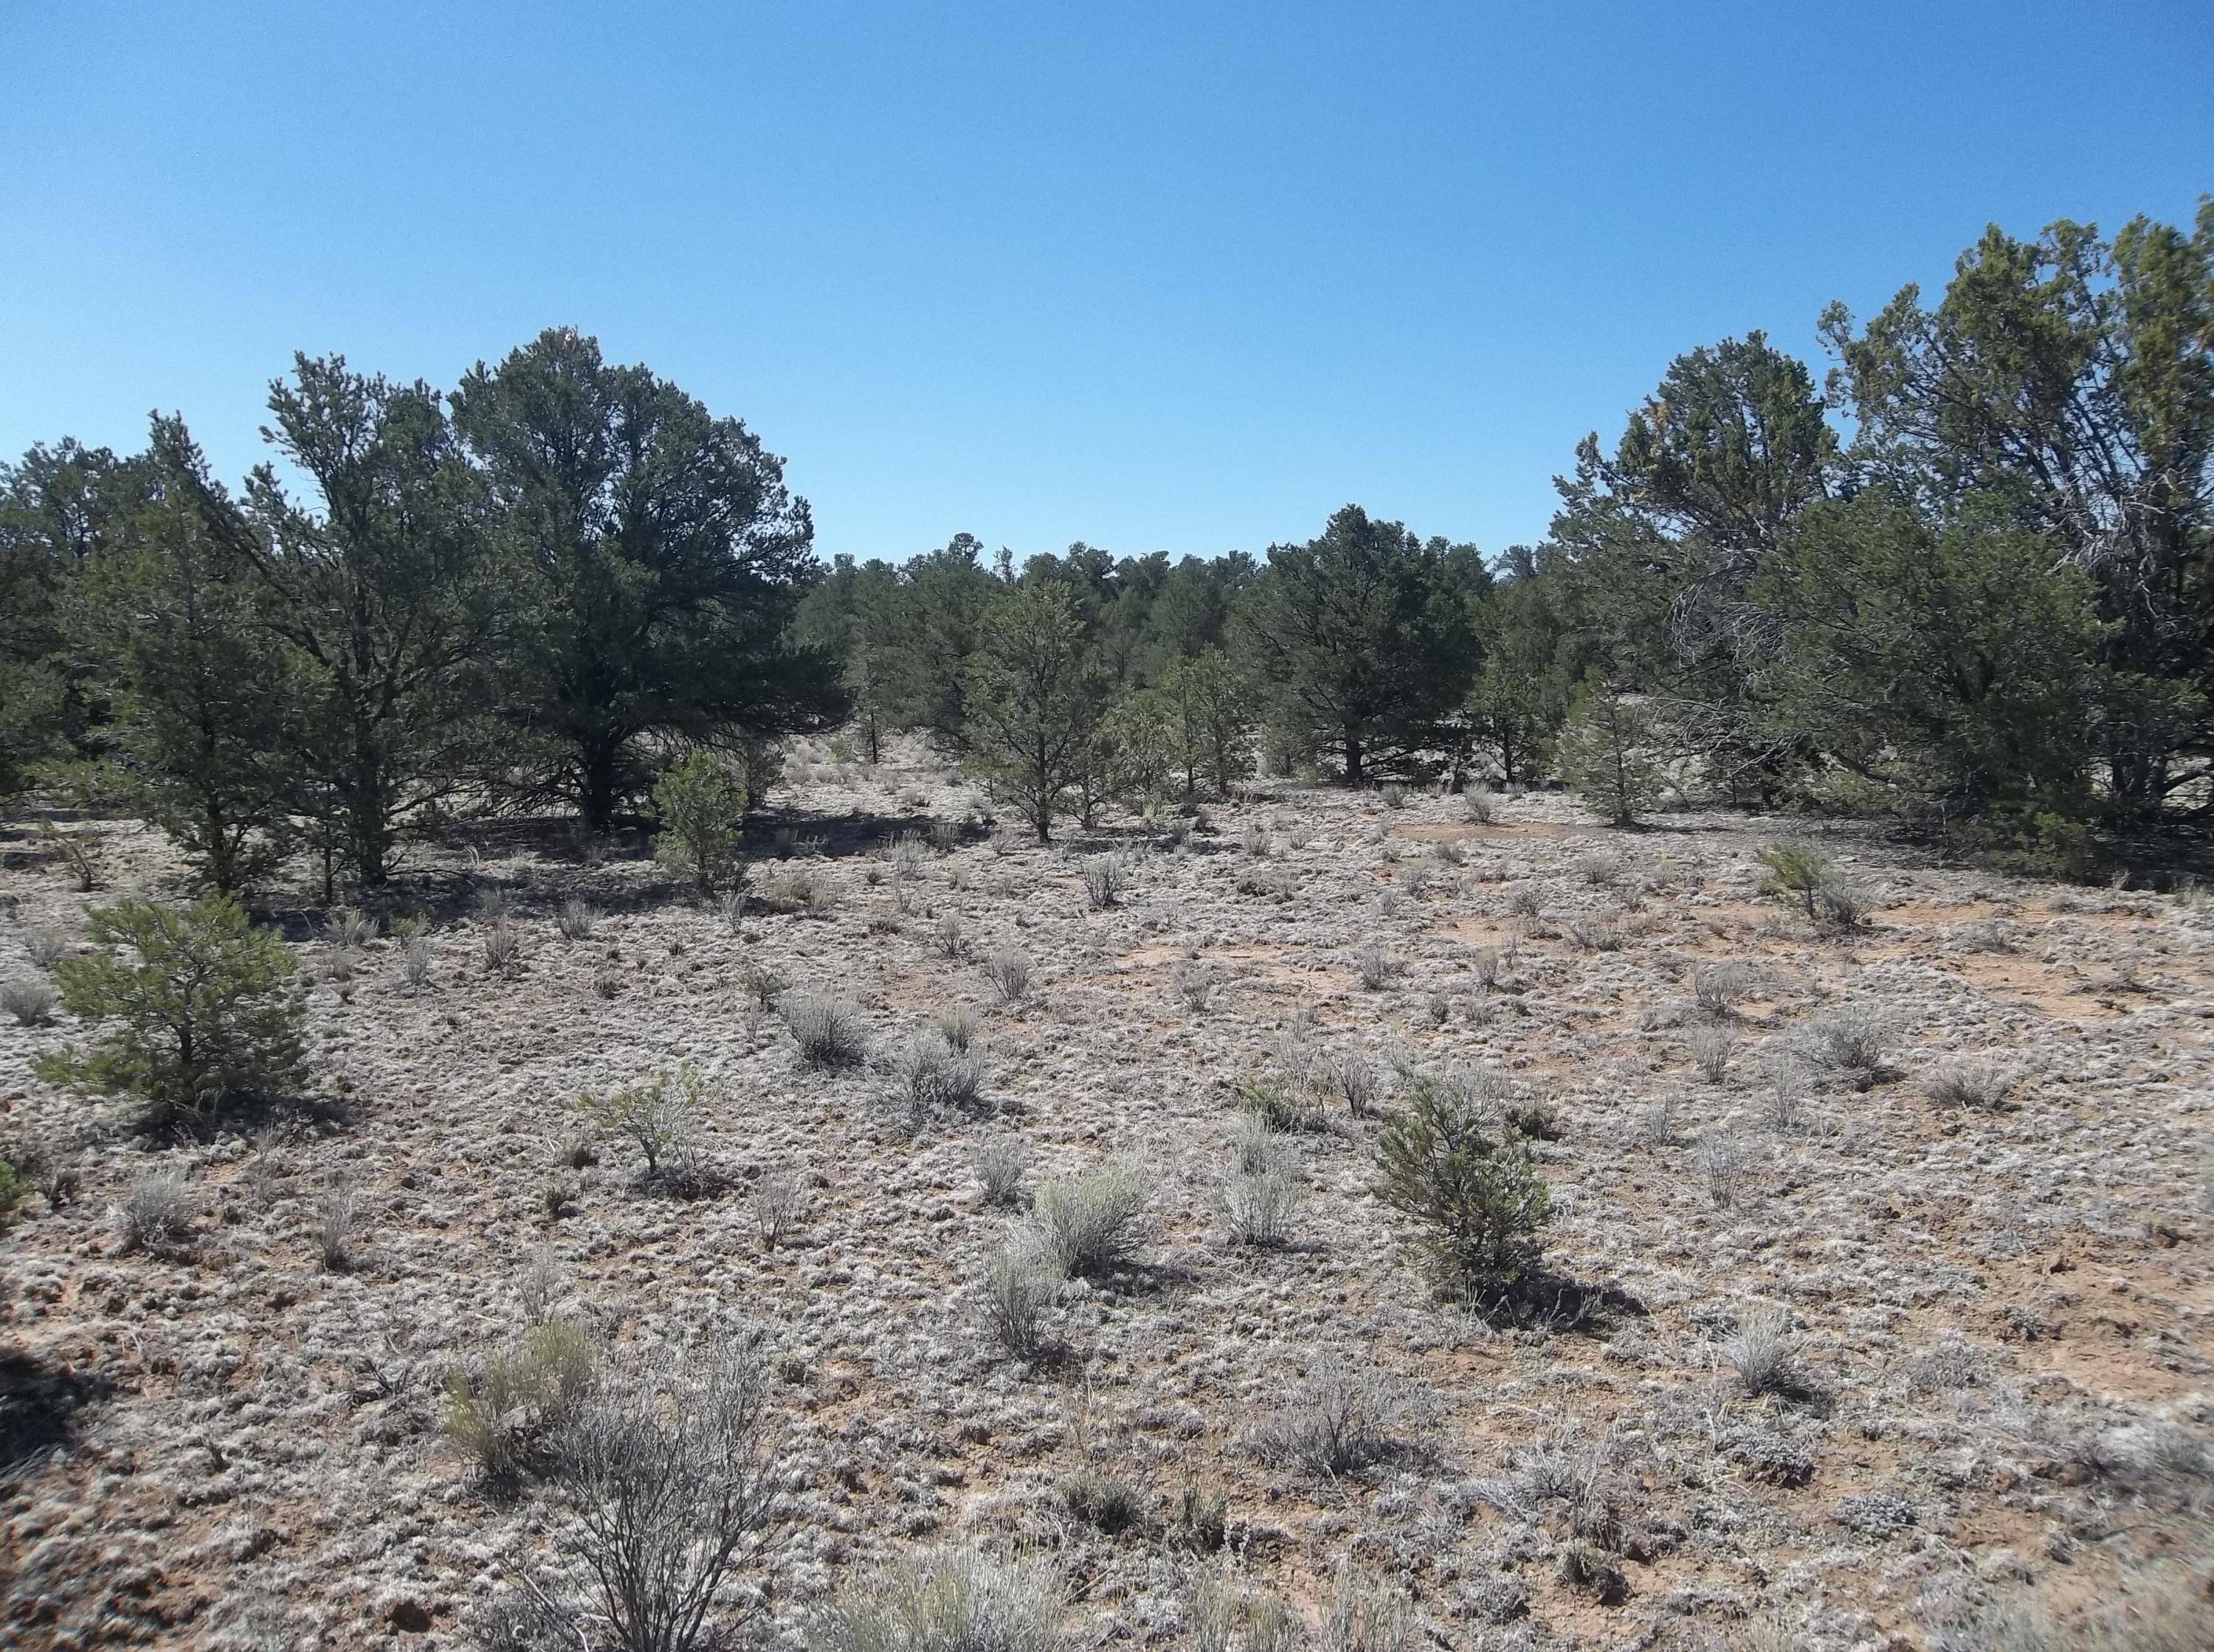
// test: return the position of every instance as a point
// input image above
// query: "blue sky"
(1180, 278)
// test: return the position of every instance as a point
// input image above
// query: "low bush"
(1850, 1043)
(1479, 1205)
(1719, 989)
(1711, 1048)
(334, 1227)
(1353, 1079)
(1018, 1286)
(1092, 1224)
(500, 945)
(675, 1478)
(31, 1001)
(999, 1164)
(1009, 971)
(1337, 1423)
(204, 1010)
(575, 920)
(1765, 1354)
(1103, 881)
(1099, 1501)
(958, 1026)
(951, 1600)
(936, 1079)
(1968, 1084)
(830, 1032)
(501, 1415)
(1374, 966)
(662, 1120)
(157, 1214)
(1258, 1207)
(699, 805)
(1285, 1104)
(777, 1203)
(1800, 877)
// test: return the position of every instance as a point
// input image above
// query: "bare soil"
(2001, 1315)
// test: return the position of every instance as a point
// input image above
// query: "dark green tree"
(922, 640)
(199, 689)
(57, 506)
(382, 587)
(1951, 667)
(1364, 632)
(665, 562)
(200, 1009)
(1662, 540)
(1035, 700)
(2072, 379)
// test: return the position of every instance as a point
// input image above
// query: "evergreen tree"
(2072, 379)
(57, 506)
(198, 688)
(1608, 754)
(665, 560)
(382, 589)
(1366, 636)
(1034, 701)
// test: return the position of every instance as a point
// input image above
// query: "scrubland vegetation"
(575, 1077)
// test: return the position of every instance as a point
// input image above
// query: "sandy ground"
(1999, 1314)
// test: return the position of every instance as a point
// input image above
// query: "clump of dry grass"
(1019, 1285)
(1968, 1084)
(334, 1227)
(45, 947)
(935, 1078)
(156, 1213)
(955, 1599)
(1711, 1048)
(1765, 1354)
(30, 1000)
(829, 1031)
(500, 945)
(1719, 988)
(1009, 971)
(1092, 1224)
(1336, 1423)
(1259, 1208)
(1000, 1163)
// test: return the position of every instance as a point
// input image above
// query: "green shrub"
(2035, 842)
(14, 1185)
(1103, 1502)
(1092, 1224)
(1801, 878)
(207, 1011)
(955, 1601)
(1606, 755)
(702, 805)
(1478, 1201)
(662, 1118)
(501, 1415)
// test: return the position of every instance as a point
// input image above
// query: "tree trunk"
(1352, 758)
(596, 767)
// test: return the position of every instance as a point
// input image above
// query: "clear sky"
(1181, 276)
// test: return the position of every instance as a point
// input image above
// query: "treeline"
(528, 592)
(1966, 581)
(1969, 581)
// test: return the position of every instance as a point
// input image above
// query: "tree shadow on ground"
(1555, 1303)
(39, 1403)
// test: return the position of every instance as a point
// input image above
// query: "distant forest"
(1966, 581)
